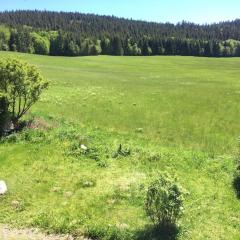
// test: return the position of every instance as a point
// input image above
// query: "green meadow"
(170, 114)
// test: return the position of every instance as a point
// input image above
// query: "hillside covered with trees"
(76, 34)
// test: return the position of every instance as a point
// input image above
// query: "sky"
(197, 11)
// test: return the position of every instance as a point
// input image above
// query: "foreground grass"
(174, 114)
(62, 189)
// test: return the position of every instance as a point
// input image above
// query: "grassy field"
(178, 101)
(175, 114)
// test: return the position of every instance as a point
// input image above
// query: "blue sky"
(198, 11)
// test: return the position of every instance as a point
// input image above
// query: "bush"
(164, 202)
(20, 87)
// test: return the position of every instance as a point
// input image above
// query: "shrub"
(21, 85)
(164, 202)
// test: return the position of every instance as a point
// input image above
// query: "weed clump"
(87, 183)
(121, 152)
(164, 202)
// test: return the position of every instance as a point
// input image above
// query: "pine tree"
(209, 49)
(146, 50)
(216, 49)
(117, 47)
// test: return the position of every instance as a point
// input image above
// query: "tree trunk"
(15, 123)
(4, 116)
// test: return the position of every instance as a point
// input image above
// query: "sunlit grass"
(175, 114)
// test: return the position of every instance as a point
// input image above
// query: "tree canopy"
(76, 34)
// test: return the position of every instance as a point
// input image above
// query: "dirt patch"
(7, 233)
(39, 123)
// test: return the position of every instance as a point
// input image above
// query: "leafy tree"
(23, 40)
(96, 48)
(136, 50)
(226, 51)
(4, 37)
(41, 44)
(21, 85)
(72, 49)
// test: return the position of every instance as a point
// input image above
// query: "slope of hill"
(174, 114)
(90, 25)
(74, 34)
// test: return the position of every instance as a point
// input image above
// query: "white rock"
(3, 187)
(83, 147)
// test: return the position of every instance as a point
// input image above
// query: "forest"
(76, 34)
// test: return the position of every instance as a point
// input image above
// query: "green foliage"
(104, 232)
(21, 86)
(80, 34)
(164, 201)
(73, 49)
(133, 49)
(4, 37)
(117, 47)
(96, 48)
(41, 44)
(147, 51)
(89, 47)
(122, 152)
(106, 46)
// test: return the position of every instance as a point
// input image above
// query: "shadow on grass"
(158, 233)
(236, 186)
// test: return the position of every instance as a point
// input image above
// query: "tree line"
(75, 34)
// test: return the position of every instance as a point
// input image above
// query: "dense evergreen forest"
(76, 34)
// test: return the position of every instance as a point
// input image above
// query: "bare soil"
(7, 233)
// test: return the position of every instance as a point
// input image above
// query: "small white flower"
(83, 147)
